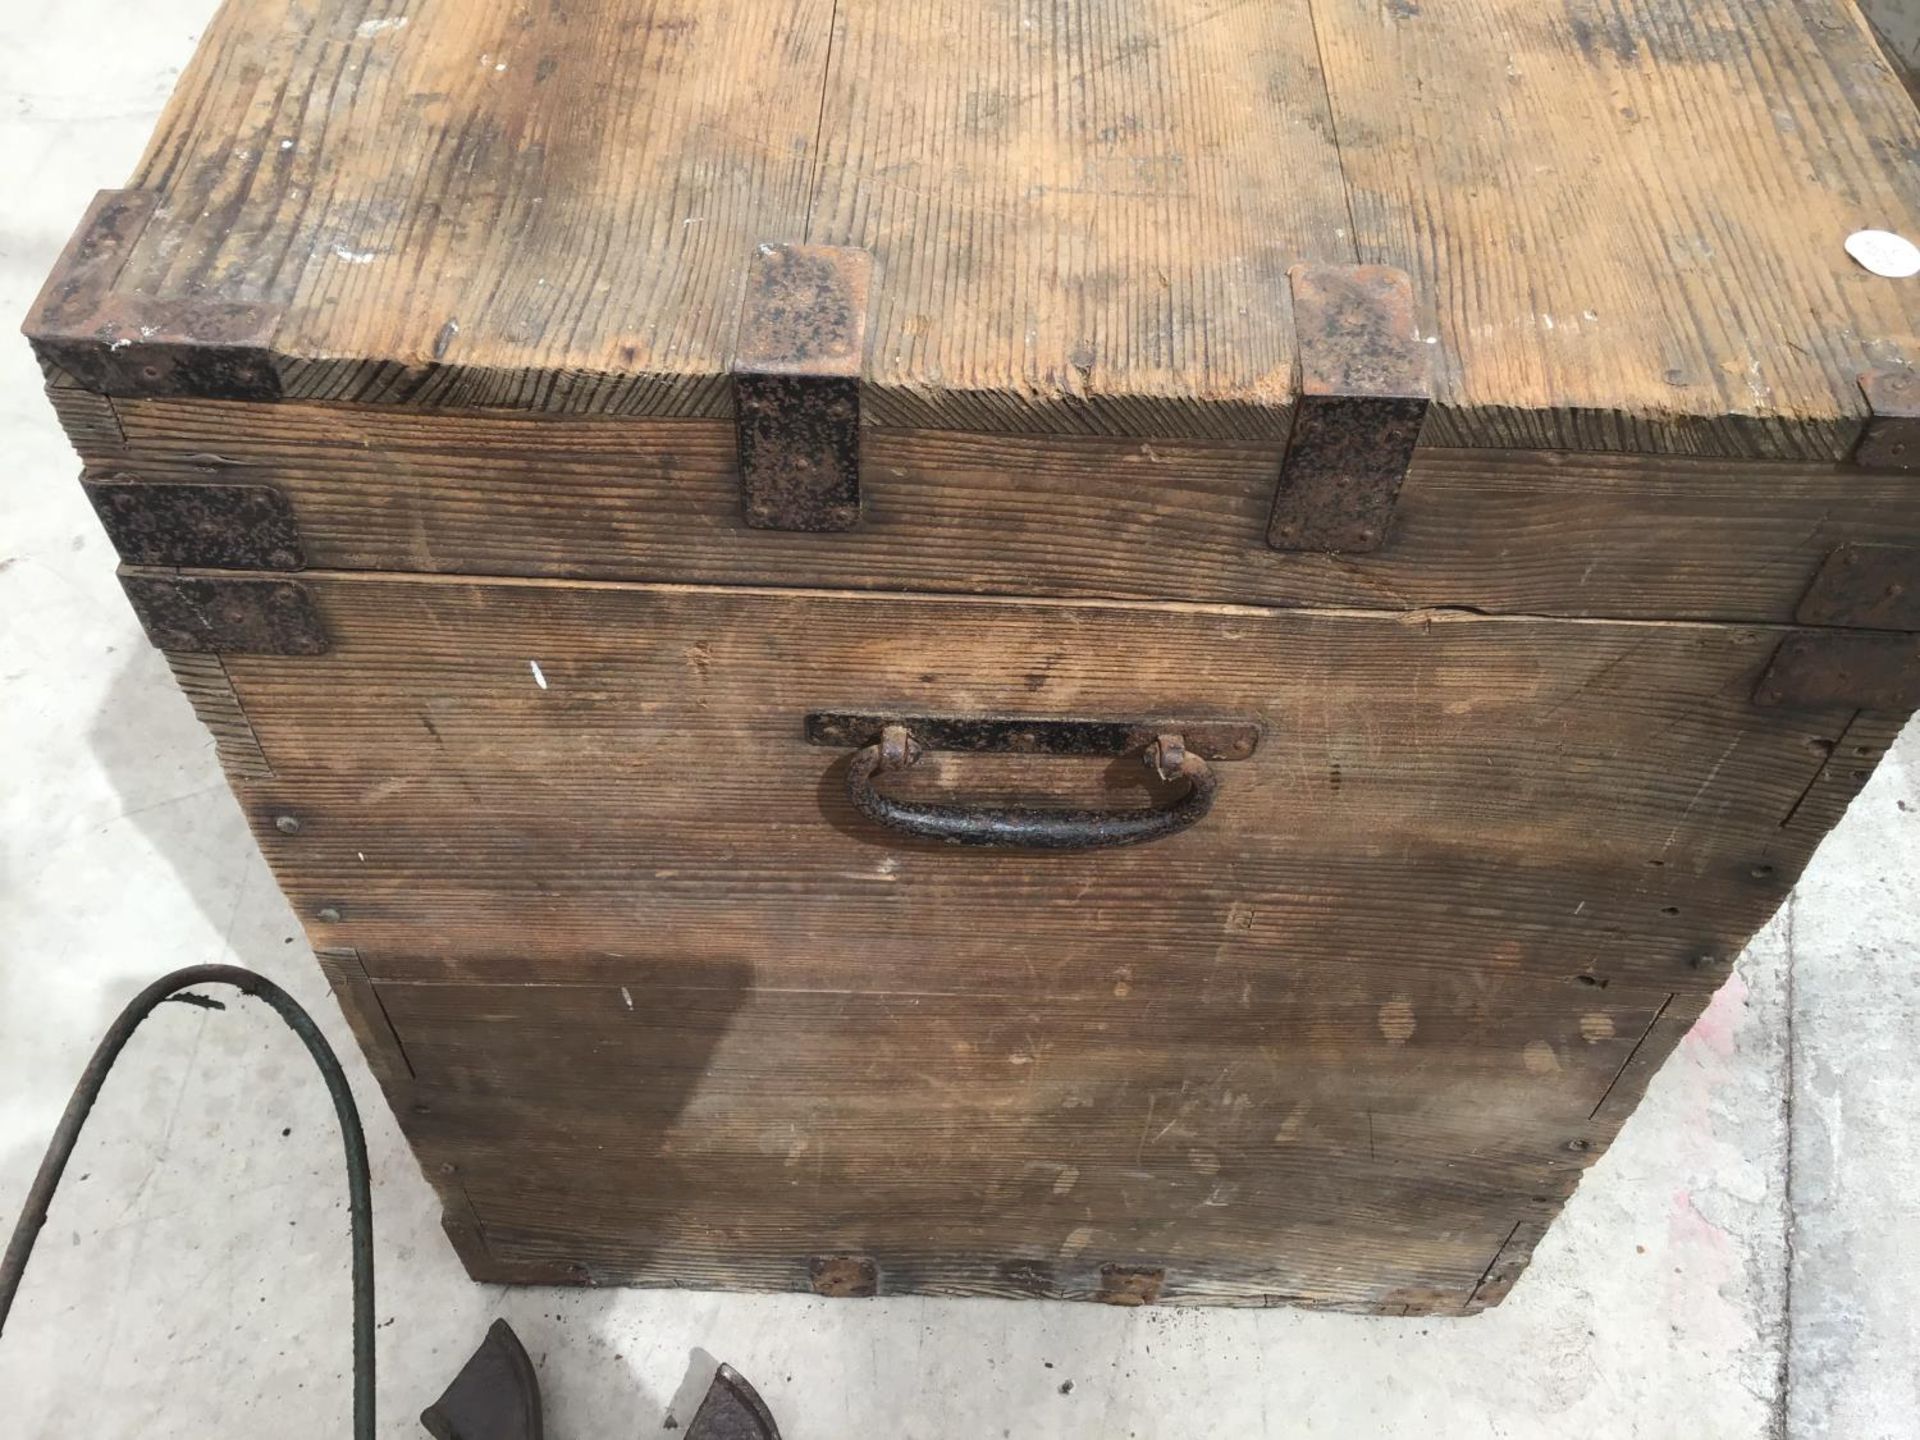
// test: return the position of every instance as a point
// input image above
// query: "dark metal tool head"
(732, 1411)
(496, 1395)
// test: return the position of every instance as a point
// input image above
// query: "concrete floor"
(1745, 1263)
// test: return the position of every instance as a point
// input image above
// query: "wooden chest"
(700, 526)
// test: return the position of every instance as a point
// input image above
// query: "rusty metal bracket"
(496, 1395)
(1210, 739)
(1890, 440)
(1363, 391)
(796, 386)
(1865, 586)
(1873, 587)
(133, 345)
(212, 527)
(1858, 669)
(226, 615)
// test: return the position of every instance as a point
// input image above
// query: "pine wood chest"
(1150, 650)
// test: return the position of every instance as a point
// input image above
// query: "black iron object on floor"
(496, 1395)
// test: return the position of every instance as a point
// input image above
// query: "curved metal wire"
(33, 1215)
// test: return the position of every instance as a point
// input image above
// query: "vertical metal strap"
(1890, 440)
(796, 386)
(1362, 396)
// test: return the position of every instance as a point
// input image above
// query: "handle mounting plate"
(1210, 739)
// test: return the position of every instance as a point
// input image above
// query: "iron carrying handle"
(1017, 827)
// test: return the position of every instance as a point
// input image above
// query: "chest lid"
(1623, 223)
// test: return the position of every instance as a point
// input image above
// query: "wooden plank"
(366, 1015)
(495, 775)
(88, 419)
(1083, 214)
(1625, 219)
(482, 203)
(1503, 531)
(1850, 760)
(203, 680)
(1340, 1135)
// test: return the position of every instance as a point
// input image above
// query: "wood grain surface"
(1626, 216)
(1509, 796)
(1624, 221)
(1332, 1134)
(1083, 214)
(482, 202)
(1544, 533)
(656, 1006)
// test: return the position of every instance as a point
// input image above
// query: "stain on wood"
(1041, 1148)
(843, 1276)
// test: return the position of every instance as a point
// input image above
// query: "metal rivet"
(287, 824)
(329, 914)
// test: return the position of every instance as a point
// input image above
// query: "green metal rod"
(33, 1215)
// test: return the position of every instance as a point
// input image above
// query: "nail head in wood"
(1362, 398)
(796, 386)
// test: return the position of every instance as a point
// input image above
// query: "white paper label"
(1885, 253)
